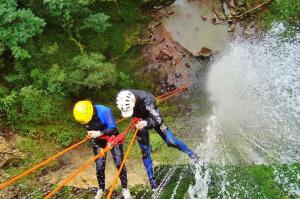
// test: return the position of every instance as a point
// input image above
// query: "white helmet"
(126, 103)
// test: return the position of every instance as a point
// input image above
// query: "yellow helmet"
(83, 111)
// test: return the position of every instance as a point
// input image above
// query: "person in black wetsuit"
(99, 120)
(141, 104)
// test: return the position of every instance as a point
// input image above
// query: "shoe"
(153, 184)
(126, 193)
(99, 194)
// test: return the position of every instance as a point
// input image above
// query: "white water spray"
(255, 89)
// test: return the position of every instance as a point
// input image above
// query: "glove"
(141, 124)
(94, 134)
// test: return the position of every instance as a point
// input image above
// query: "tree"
(64, 10)
(90, 71)
(17, 26)
(74, 16)
(97, 22)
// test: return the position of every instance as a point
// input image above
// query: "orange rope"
(171, 94)
(115, 180)
(120, 120)
(159, 98)
(29, 171)
(41, 164)
(86, 165)
(81, 169)
(34, 168)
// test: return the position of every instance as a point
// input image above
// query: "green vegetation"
(35, 151)
(255, 181)
(53, 53)
(17, 26)
(286, 12)
(56, 52)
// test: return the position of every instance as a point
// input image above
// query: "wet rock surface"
(204, 52)
(174, 42)
(165, 57)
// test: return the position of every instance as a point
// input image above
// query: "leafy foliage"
(7, 105)
(97, 22)
(17, 26)
(75, 57)
(51, 80)
(31, 105)
(38, 107)
(92, 72)
(285, 10)
(3, 91)
(75, 16)
(64, 10)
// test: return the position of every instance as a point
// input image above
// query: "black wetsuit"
(103, 121)
(146, 109)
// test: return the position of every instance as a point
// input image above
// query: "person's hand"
(94, 134)
(141, 124)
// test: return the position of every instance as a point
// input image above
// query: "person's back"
(143, 99)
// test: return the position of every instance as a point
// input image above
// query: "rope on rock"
(34, 168)
(116, 140)
(43, 163)
(80, 169)
(85, 165)
(115, 180)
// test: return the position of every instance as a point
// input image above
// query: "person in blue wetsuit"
(141, 104)
(99, 120)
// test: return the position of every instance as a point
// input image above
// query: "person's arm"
(109, 122)
(154, 118)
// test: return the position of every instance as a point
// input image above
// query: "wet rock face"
(204, 52)
(164, 55)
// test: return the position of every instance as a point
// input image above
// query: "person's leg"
(100, 167)
(143, 139)
(165, 132)
(117, 153)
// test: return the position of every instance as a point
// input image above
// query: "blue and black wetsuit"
(103, 121)
(146, 108)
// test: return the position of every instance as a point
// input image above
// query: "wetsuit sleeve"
(109, 122)
(154, 118)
